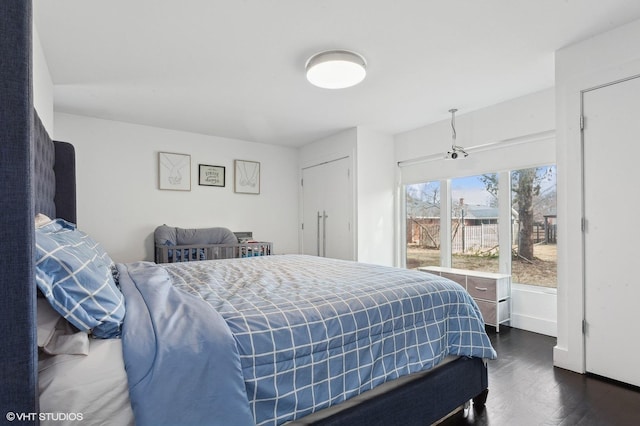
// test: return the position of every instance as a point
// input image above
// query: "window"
(475, 216)
(533, 200)
(474, 223)
(423, 224)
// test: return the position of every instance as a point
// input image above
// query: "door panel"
(611, 140)
(337, 210)
(312, 202)
(327, 206)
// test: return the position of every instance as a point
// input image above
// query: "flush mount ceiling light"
(336, 69)
(456, 150)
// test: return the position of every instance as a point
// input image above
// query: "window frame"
(504, 220)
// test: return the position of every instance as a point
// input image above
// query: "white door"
(312, 204)
(327, 206)
(611, 140)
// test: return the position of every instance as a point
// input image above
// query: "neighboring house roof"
(470, 212)
(431, 212)
(480, 212)
(473, 212)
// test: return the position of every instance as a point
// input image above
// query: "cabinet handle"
(318, 233)
(324, 233)
(481, 288)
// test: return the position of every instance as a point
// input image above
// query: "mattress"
(309, 332)
(85, 389)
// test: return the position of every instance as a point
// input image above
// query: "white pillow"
(47, 320)
(42, 220)
(55, 334)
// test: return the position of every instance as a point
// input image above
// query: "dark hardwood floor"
(526, 389)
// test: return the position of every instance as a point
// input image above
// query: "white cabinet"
(491, 291)
(327, 200)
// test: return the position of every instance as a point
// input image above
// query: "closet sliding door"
(327, 210)
(611, 144)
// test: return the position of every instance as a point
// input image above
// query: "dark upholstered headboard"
(25, 148)
(65, 171)
(54, 175)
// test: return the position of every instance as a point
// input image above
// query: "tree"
(423, 199)
(525, 186)
(423, 202)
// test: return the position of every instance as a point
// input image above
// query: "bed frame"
(417, 399)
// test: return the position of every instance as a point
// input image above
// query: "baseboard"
(533, 324)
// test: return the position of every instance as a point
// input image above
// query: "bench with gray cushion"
(191, 244)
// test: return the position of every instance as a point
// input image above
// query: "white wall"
(120, 205)
(339, 145)
(42, 85)
(605, 58)
(534, 308)
(519, 133)
(376, 184)
(516, 118)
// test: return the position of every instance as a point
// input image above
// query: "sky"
(474, 192)
(472, 189)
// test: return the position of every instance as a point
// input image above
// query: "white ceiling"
(235, 68)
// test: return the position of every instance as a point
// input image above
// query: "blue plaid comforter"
(312, 332)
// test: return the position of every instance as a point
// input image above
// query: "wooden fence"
(474, 238)
(471, 238)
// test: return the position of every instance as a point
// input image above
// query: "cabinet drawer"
(488, 311)
(460, 279)
(482, 288)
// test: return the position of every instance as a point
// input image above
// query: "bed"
(416, 398)
(382, 350)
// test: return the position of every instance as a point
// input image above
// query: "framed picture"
(174, 171)
(211, 175)
(247, 177)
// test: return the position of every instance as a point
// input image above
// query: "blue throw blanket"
(182, 362)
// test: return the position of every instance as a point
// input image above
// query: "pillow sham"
(75, 275)
(55, 334)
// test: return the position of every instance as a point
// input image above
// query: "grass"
(542, 270)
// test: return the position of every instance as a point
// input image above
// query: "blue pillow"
(74, 274)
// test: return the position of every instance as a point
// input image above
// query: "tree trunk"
(525, 211)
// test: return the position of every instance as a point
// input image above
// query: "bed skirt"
(418, 399)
